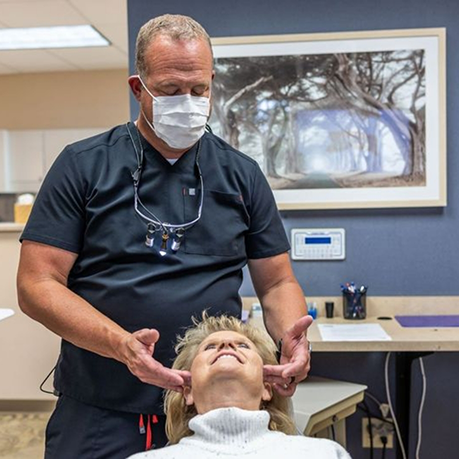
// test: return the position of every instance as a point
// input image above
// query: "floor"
(22, 434)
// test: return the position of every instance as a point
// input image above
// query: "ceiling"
(109, 17)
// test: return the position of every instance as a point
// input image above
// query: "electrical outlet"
(379, 429)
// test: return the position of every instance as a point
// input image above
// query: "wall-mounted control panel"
(318, 244)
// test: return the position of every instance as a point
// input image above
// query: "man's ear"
(188, 396)
(136, 86)
(267, 392)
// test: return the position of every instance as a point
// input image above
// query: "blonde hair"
(179, 414)
(175, 26)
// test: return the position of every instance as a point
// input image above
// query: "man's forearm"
(70, 316)
(283, 305)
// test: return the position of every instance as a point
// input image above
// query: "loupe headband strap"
(136, 176)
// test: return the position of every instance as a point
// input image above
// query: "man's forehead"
(162, 41)
(186, 58)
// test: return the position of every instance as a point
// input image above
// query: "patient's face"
(228, 356)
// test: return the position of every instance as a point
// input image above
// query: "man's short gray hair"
(175, 26)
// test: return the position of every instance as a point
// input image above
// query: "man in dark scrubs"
(135, 231)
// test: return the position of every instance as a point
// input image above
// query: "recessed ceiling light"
(79, 36)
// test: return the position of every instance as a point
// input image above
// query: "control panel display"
(318, 244)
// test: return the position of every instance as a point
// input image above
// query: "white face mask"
(178, 120)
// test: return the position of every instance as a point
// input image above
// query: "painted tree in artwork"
(326, 120)
(377, 82)
(258, 97)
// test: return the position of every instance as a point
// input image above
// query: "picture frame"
(338, 120)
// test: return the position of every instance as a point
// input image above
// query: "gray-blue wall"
(394, 251)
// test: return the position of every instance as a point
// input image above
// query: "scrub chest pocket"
(222, 227)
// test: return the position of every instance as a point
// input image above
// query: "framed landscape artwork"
(339, 120)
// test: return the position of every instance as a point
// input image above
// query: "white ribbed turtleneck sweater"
(236, 433)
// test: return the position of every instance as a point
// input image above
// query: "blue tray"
(428, 321)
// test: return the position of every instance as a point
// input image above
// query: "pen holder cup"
(354, 305)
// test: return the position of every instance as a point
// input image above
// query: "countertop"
(8, 227)
(403, 339)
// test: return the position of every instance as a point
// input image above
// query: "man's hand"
(294, 361)
(137, 354)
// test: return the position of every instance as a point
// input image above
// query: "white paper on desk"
(5, 313)
(353, 332)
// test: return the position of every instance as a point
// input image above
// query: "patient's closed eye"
(210, 346)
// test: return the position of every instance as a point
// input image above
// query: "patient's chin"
(227, 369)
(229, 362)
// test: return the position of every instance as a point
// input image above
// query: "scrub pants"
(76, 430)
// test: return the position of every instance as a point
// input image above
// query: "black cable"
(333, 432)
(374, 399)
(370, 427)
(384, 442)
(46, 379)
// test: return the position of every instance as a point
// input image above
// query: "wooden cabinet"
(25, 160)
(28, 351)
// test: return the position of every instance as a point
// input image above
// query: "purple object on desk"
(428, 321)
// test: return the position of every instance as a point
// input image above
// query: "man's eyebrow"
(166, 84)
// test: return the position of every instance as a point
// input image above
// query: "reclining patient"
(229, 411)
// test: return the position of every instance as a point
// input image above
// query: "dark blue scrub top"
(86, 206)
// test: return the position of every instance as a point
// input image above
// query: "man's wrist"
(120, 347)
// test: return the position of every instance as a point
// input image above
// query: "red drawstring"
(149, 435)
(151, 419)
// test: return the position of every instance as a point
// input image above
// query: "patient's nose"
(226, 343)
